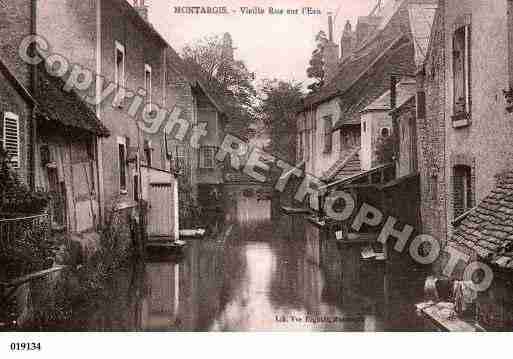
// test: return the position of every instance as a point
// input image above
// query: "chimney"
(346, 42)
(141, 8)
(330, 27)
(227, 47)
(330, 53)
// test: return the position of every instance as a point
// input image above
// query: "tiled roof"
(65, 107)
(373, 84)
(488, 229)
(405, 90)
(364, 77)
(353, 68)
(344, 167)
(15, 82)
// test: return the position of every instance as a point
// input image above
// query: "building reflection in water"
(263, 276)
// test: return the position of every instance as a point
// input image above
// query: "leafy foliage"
(228, 78)
(316, 69)
(279, 102)
(26, 250)
(15, 197)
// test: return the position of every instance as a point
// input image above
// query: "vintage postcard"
(263, 166)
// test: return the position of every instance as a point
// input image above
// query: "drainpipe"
(99, 140)
(395, 124)
(33, 80)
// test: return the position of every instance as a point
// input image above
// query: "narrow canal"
(260, 276)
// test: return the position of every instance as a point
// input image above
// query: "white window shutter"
(11, 138)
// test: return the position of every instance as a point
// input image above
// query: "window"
(385, 132)
(433, 187)
(179, 157)
(122, 164)
(364, 126)
(328, 125)
(461, 70)
(421, 104)
(136, 188)
(207, 157)
(462, 192)
(148, 153)
(300, 146)
(10, 136)
(119, 73)
(147, 82)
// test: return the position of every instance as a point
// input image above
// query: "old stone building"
(331, 138)
(464, 132)
(140, 159)
(464, 145)
(49, 133)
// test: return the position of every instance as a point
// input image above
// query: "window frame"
(122, 169)
(462, 33)
(467, 190)
(328, 134)
(120, 81)
(148, 153)
(148, 70)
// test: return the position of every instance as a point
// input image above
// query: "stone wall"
(431, 136)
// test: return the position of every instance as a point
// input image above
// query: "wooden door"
(161, 216)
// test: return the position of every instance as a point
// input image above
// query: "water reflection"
(259, 278)
(264, 275)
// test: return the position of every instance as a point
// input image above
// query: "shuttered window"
(461, 69)
(11, 138)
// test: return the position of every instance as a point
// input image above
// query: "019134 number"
(25, 346)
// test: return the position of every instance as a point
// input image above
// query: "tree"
(316, 69)
(279, 103)
(227, 77)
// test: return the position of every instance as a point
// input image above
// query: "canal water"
(259, 275)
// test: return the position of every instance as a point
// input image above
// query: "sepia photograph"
(171, 166)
